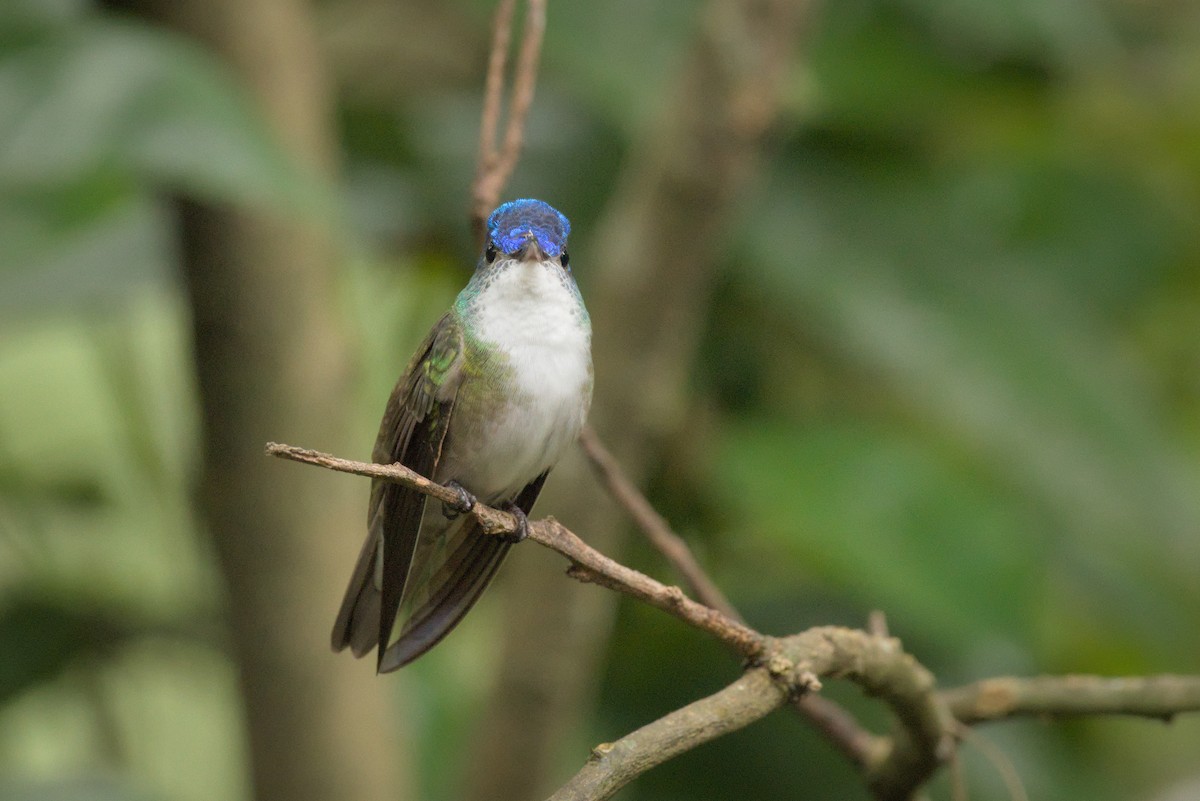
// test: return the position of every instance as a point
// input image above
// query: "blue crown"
(510, 223)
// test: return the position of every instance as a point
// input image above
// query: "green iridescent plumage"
(494, 394)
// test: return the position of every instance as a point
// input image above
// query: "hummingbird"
(496, 393)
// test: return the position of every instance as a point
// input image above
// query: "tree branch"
(838, 725)
(613, 765)
(788, 668)
(876, 664)
(1160, 697)
(587, 564)
(652, 524)
(497, 160)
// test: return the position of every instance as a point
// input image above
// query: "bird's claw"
(522, 531)
(464, 503)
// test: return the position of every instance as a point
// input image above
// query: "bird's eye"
(564, 260)
(490, 254)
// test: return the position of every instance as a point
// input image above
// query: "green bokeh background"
(952, 371)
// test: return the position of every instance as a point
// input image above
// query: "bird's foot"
(464, 503)
(522, 531)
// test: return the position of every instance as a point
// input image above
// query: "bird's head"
(527, 230)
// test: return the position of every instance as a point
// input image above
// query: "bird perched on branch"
(492, 398)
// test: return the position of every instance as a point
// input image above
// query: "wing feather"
(412, 432)
(468, 562)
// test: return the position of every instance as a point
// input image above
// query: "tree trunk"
(272, 363)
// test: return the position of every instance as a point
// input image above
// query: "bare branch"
(838, 725)
(493, 98)
(613, 765)
(876, 664)
(497, 160)
(494, 521)
(922, 741)
(594, 567)
(523, 86)
(1062, 696)
(652, 524)
(995, 755)
(787, 668)
(588, 564)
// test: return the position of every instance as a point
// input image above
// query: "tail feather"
(357, 624)
(452, 565)
(475, 565)
(464, 566)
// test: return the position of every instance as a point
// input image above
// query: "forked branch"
(498, 157)
(790, 668)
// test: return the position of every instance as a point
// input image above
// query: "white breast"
(536, 320)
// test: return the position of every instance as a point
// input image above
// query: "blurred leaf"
(80, 492)
(104, 95)
(985, 333)
(26, 21)
(71, 789)
(100, 257)
(1067, 32)
(892, 521)
(49, 635)
(95, 117)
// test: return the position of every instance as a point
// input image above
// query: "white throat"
(531, 312)
(531, 315)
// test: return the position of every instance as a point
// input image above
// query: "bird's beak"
(530, 249)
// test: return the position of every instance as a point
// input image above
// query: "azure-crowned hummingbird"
(493, 397)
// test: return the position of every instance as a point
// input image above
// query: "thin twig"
(1160, 697)
(497, 159)
(493, 97)
(653, 526)
(523, 86)
(613, 765)
(1000, 761)
(498, 523)
(895, 767)
(876, 664)
(592, 566)
(883, 670)
(587, 563)
(842, 730)
(827, 716)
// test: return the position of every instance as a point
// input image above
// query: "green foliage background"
(952, 373)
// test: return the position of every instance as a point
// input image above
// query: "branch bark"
(1161, 697)
(653, 526)
(790, 668)
(613, 765)
(834, 722)
(498, 158)
(587, 564)
(875, 663)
